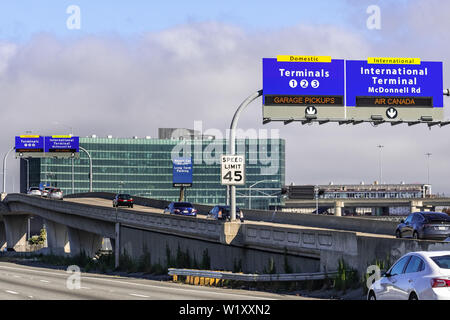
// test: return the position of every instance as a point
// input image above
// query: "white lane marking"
(145, 285)
(45, 281)
(12, 292)
(85, 288)
(138, 295)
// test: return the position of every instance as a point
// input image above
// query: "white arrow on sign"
(391, 113)
(310, 110)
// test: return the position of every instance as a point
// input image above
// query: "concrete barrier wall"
(328, 246)
(136, 242)
(355, 224)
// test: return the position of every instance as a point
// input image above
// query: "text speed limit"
(232, 170)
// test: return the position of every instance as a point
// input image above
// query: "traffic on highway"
(251, 151)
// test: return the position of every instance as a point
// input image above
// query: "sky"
(129, 67)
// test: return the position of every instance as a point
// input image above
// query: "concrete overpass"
(308, 243)
(415, 204)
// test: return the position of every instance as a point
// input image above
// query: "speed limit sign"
(232, 171)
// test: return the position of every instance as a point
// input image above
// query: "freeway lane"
(108, 203)
(18, 282)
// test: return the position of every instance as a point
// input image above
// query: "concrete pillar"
(83, 241)
(57, 237)
(116, 244)
(2, 236)
(338, 205)
(416, 206)
(16, 227)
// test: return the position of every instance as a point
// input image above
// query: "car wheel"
(371, 296)
(415, 235)
(398, 234)
(413, 296)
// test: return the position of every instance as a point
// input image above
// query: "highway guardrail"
(223, 275)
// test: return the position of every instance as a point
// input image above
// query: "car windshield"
(124, 196)
(56, 190)
(227, 209)
(182, 204)
(442, 261)
(33, 189)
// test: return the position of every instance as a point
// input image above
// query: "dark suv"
(424, 225)
(123, 199)
(183, 208)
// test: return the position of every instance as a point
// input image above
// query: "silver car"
(415, 276)
(34, 191)
(55, 194)
(46, 191)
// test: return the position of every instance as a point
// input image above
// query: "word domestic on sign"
(419, 84)
(232, 170)
(182, 172)
(292, 81)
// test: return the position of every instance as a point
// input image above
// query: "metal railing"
(223, 275)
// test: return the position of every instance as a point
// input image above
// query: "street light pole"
(233, 145)
(90, 167)
(428, 154)
(4, 168)
(250, 190)
(381, 165)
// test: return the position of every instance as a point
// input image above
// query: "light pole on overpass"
(250, 190)
(232, 142)
(381, 164)
(90, 167)
(4, 168)
(428, 154)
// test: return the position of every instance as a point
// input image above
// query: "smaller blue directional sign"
(29, 143)
(293, 81)
(62, 144)
(182, 172)
(415, 84)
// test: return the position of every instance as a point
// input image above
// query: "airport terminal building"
(143, 167)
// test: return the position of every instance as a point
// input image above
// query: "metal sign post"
(232, 142)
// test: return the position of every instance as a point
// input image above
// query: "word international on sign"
(232, 170)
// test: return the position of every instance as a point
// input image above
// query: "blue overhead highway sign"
(290, 81)
(414, 84)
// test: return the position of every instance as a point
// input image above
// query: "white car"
(415, 276)
(34, 191)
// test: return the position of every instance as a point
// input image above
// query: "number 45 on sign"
(232, 170)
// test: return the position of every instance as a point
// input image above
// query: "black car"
(123, 199)
(183, 208)
(424, 225)
(223, 213)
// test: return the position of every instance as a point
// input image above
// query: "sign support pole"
(181, 194)
(232, 142)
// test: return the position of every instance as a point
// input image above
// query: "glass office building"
(143, 167)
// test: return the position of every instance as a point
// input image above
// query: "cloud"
(201, 71)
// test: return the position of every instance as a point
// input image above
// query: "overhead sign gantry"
(322, 89)
(57, 146)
